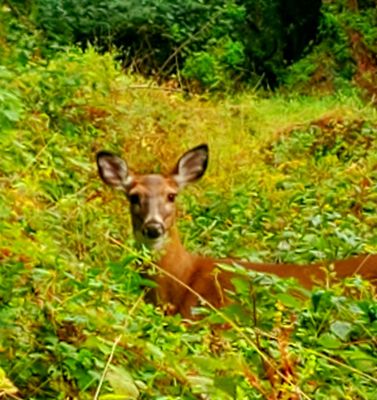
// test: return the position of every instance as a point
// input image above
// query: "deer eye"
(134, 199)
(171, 197)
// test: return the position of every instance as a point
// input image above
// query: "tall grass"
(290, 179)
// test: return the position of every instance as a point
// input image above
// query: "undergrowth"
(290, 179)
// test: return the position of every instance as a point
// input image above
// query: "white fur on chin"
(152, 244)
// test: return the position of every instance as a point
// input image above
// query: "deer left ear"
(191, 166)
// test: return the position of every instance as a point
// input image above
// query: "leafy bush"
(217, 44)
(345, 51)
(290, 179)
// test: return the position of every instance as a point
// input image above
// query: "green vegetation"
(291, 179)
(222, 44)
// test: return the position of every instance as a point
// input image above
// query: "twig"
(187, 41)
(253, 381)
(109, 360)
(360, 266)
(148, 87)
(115, 344)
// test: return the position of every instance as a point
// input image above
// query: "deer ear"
(191, 166)
(113, 170)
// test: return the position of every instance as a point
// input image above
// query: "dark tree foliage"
(222, 44)
(345, 51)
(300, 23)
(277, 32)
(213, 43)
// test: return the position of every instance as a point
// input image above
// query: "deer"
(185, 279)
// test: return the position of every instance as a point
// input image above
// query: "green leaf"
(316, 298)
(241, 285)
(341, 329)
(329, 341)
(288, 300)
(122, 383)
(155, 351)
(237, 312)
(200, 383)
(227, 385)
(361, 360)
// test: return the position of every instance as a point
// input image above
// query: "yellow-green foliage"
(290, 179)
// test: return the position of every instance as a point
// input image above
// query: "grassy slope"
(289, 180)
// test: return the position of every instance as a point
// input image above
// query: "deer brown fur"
(187, 277)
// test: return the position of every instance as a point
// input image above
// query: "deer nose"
(153, 230)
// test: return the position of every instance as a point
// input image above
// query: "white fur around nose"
(153, 213)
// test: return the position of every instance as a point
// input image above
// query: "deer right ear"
(113, 170)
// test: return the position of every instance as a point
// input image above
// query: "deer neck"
(174, 258)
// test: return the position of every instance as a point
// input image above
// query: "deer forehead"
(153, 185)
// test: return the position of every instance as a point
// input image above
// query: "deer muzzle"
(153, 230)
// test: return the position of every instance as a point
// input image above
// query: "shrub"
(231, 40)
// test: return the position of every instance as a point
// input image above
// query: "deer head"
(152, 196)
